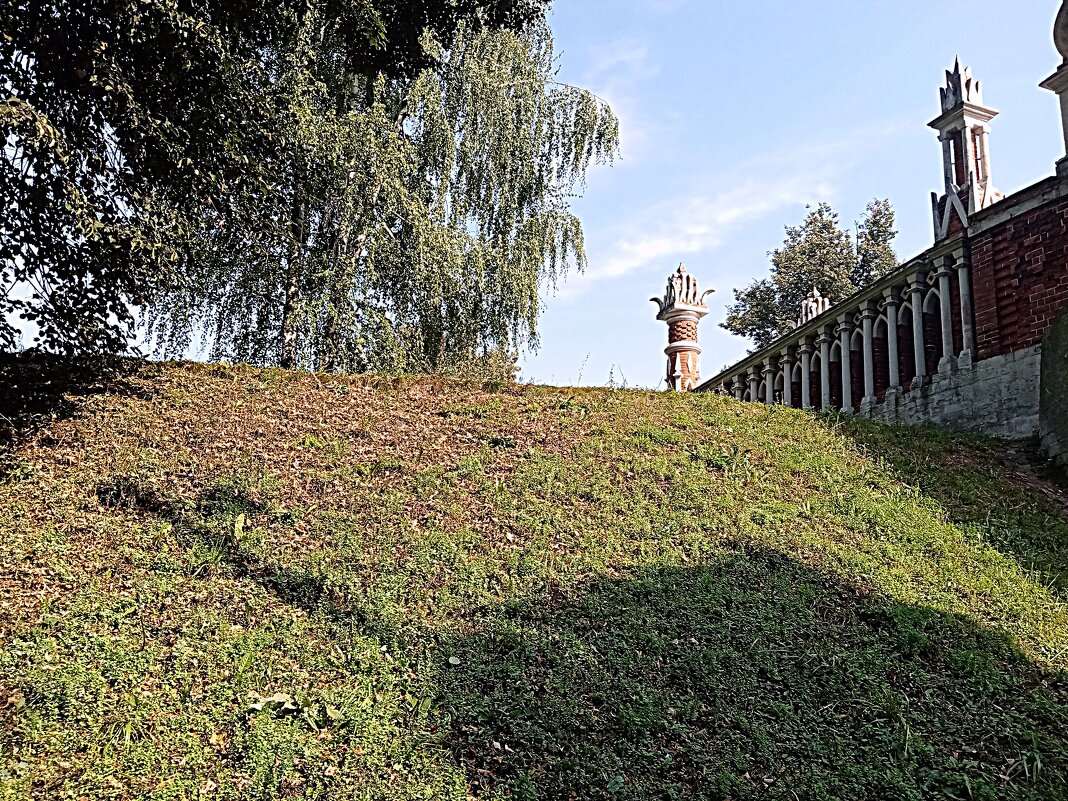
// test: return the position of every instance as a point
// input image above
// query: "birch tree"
(429, 215)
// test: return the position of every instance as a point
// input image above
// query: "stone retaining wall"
(998, 396)
(1053, 426)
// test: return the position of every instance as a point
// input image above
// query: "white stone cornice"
(944, 270)
(963, 116)
(682, 311)
(1058, 81)
(891, 298)
(681, 345)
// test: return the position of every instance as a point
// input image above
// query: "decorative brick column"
(682, 308)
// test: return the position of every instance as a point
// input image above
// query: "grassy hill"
(227, 583)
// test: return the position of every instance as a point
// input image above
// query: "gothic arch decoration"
(931, 302)
(856, 339)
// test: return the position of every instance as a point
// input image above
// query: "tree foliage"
(875, 236)
(333, 183)
(818, 254)
(429, 220)
(124, 121)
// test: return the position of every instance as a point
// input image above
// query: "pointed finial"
(960, 88)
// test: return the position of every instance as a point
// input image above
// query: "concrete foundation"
(997, 396)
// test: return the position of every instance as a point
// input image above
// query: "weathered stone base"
(998, 396)
(1053, 426)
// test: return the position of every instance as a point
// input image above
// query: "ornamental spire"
(1058, 81)
(964, 131)
(682, 308)
(960, 88)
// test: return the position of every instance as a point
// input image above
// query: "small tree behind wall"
(816, 254)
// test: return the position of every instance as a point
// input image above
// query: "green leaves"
(415, 220)
(816, 254)
(188, 166)
(114, 121)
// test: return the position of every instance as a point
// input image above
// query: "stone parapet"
(998, 396)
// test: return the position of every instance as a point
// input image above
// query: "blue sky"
(736, 114)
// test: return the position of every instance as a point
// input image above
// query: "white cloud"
(660, 235)
(616, 72)
(674, 230)
(624, 59)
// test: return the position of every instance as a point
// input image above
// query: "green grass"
(229, 583)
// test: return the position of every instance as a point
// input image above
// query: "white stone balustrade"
(887, 320)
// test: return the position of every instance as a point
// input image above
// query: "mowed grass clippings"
(229, 583)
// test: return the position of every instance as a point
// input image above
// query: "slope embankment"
(229, 583)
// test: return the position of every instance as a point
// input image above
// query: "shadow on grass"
(217, 527)
(750, 677)
(754, 677)
(1000, 489)
(38, 389)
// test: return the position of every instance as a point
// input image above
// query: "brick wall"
(1020, 279)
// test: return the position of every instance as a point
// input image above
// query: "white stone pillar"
(917, 285)
(947, 163)
(964, 281)
(806, 374)
(868, 313)
(754, 385)
(786, 361)
(893, 356)
(769, 382)
(948, 362)
(739, 388)
(845, 333)
(824, 340)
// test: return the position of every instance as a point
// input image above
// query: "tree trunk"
(292, 290)
(330, 347)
